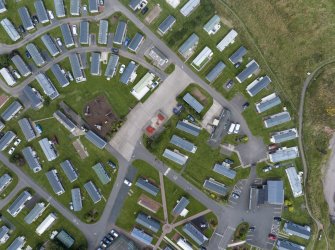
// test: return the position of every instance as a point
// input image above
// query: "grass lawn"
(20, 228)
(11, 186)
(241, 231)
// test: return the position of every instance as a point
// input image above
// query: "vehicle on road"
(267, 169)
(252, 229)
(272, 237)
(122, 67)
(235, 195)
(17, 142)
(59, 41)
(127, 182)
(277, 219)
(115, 51)
(11, 150)
(74, 30)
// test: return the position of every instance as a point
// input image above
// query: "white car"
(59, 41)
(11, 151)
(122, 68)
(74, 30)
(17, 142)
(128, 183)
(237, 128)
(114, 233)
(84, 7)
(51, 15)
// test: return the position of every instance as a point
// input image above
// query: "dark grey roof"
(76, 67)
(18, 203)
(25, 18)
(11, 111)
(147, 186)
(223, 170)
(54, 181)
(75, 7)
(64, 120)
(284, 154)
(84, 34)
(112, 66)
(288, 245)
(194, 234)
(10, 29)
(6, 139)
(188, 8)
(76, 199)
(120, 33)
(48, 149)
(92, 192)
(277, 119)
(136, 42)
(215, 187)
(27, 129)
(297, 230)
(268, 103)
(103, 32)
(167, 24)
(35, 213)
(250, 69)
(60, 76)
(50, 44)
(31, 159)
(275, 192)
(95, 63)
(188, 128)
(41, 11)
(5, 179)
(148, 222)
(129, 70)
(65, 238)
(182, 143)
(101, 173)
(4, 233)
(18, 243)
(69, 170)
(35, 54)
(59, 7)
(188, 45)
(227, 40)
(141, 236)
(2, 6)
(47, 86)
(190, 100)
(258, 85)
(22, 67)
(181, 205)
(215, 72)
(175, 156)
(67, 35)
(285, 135)
(93, 6)
(238, 55)
(134, 4)
(95, 139)
(210, 26)
(34, 97)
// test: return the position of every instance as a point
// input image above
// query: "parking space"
(235, 197)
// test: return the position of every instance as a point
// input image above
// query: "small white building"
(46, 223)
(7, 76)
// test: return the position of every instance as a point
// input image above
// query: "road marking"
(167, 171)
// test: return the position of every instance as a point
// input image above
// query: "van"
(237, 128)
(231, 128)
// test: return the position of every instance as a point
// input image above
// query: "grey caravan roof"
(33, 97)
(75, 66)
(103, 32)
(194, 234)
(102, 174)
(95, 139)
(25, 18)
(297, 230)
(7, 138)
(92, 192)
(167, 24)
(19, 201)
(148, 222)
(129, 70)
(22, 67)
(50, 45)
(112, 65)
(2, 6)
(181, 205)
(275, 190)
(134, 4)
(31, 160)
(18, 243)
(262, 83)
(54, 181)
(188, 45)
(95, 63)
(69, 170)
(147, 186)
(93, 6)
(227, 172)
(35, 213)
(182, 143)
(59, 7)
(175, 157)
(10, 29)
(288, 245)
(47, 149)
(47, 86)
(65, 238)
(141, 236)
(268, 104)
(120, 32)
(41, 11)
(136, 42)
(284, 136)
(76, 199)
(60, 76)
(188, 128)
(284, 154)
(84, 31)
(67, 35)
(238, 55)
(75, 7)
(215, 187)
(27, 129)
(35, 54)
(277, 119)
(215, 72)
(11, 111)
(190, 100)
(64, 120)
(5, 179)
(251, 68)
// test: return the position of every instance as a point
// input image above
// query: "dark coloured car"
(115, 51)
(272, 237)
(144, 10)
(190, 118)
(127, 41)
(252, 229)
(35, 19)
(27, 54)
(21, 29)
(245, 105)
(228, 161)
(277, 219)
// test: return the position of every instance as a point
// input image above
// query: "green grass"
(241, 231)
(170, 68)
(11, 186)
(23, 229)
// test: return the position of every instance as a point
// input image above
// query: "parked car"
(11, 150)
(122, 67)
(59, 41)
(228, 161)
(237, 128)
(235, 195)
(144, 10)
(17, 142)
(114, 233)
(27, 54)
(277, 165)
(277, 219)
(127, 182)
(237, 65)
(229, 84)
(51, 15)
(267, 169)
(39, 128)
(252, 229)
(115, 51)
(101, 2)
(84, 7)
(74, 30)
(272, 237)
(127, 41)
(190, 118)
(21, 29)
(16, 74)
(245, 105)
(111, 164)
(35, 19)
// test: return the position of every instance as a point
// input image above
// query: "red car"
(272, 237)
